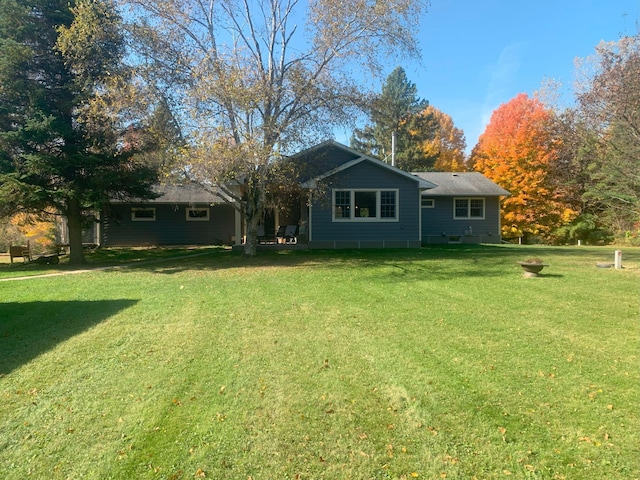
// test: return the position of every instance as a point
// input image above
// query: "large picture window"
(468, 208)
(365, 205)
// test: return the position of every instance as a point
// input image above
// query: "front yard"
(443, 362)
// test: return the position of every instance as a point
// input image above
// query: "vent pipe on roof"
(393, 148)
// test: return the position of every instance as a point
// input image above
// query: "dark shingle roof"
(460, 183)
(330, 157)
(184, 194)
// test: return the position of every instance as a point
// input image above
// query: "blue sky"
(478, 54)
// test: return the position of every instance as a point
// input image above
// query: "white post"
(618, 260)
(238, 227)
(393, 148)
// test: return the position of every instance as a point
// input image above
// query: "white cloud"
(502, 78)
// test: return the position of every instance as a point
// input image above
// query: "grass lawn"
(443, 362)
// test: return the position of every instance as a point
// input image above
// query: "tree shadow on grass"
(484, 259)
(31, 328)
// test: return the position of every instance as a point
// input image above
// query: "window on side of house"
(342, 204)
(427, 202)
(468, 208)
(143, 214)
(197, 214)
(388, 204)
(365, 205)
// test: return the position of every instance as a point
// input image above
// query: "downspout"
(420, 216)
(309, 220)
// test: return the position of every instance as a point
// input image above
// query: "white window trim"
(352, 196)
(469, 217)
(197, 219)
(138, 209)
(432, 200)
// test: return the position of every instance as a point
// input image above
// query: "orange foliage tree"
(39, 230)
(447, 143)
(518, 150)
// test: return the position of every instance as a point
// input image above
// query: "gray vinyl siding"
(169, 228)
(326, 233)
(438, 224)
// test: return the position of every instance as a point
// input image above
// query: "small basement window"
(197, 214)
(143, 214)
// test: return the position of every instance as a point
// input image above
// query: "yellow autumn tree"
(38, 230)
(447, 143)
(518, 150)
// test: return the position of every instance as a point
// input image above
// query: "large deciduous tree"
(60, 142)
(518, 150)
(447, 144)
(252, 80)
(608, 142)
(396, 111)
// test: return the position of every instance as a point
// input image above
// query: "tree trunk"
(251, 241)
(253, 213)
(74, 222)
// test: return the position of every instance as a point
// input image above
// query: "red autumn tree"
(518, 150)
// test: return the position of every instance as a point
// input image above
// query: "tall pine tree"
(396, 110)
(60, 144)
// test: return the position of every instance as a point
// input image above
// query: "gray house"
(358, 201)
(462, 208)
(344, 199)
(181, 215)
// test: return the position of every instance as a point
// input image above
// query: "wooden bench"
(20, 251)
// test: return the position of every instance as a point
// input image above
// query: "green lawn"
(437, 363)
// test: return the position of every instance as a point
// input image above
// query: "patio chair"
(291, 234)
(280, 238)
(260, 234)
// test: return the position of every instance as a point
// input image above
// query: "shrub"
(586, 228)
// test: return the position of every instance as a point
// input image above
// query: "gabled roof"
(461, 183)
(331, 157)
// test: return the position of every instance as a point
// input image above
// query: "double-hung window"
(364, 205)
(468, 208)
(342, 204)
